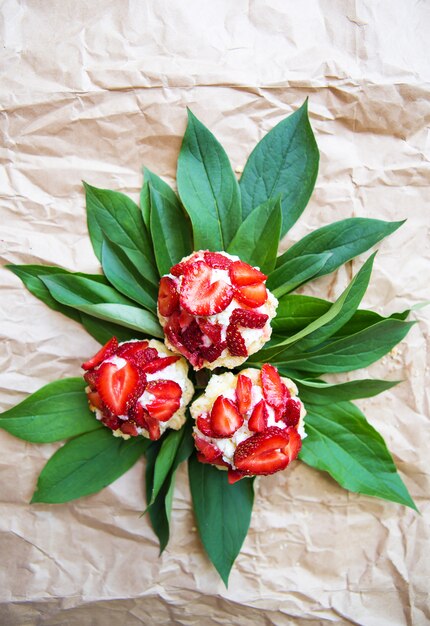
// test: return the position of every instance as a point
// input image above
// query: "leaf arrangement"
(311, 336)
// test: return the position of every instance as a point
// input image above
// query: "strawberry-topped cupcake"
(138, 388)
(215, 309)
(250, 424)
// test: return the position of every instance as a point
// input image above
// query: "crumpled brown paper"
(94, 90)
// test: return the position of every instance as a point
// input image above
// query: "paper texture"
(93, 91)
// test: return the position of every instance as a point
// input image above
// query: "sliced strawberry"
(251, 295)
(258, 420)
(131, 349)
(159, 364)
(199, 296)
(119, 387)
(178, 269)
(263, 453)
(138, 414)
(213, 352)
(153, 428)
(203, 424)
(225, 418)
(128, 428)
(91, 378)
(248, 319)
(242, 274)
(291, 414)
(95, 400)
(235, 342)
(149, 355)
(243, 393)
(168, 297)
(217, 260)
(234, 475)
(167, 399)
(104, 353)
(111, 421)
(273, 387)
(295, 443)
(192, 337)
(212, 331)
(207, 449)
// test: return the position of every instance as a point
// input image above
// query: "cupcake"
(138, 388)
(215, 309)
(250, 424)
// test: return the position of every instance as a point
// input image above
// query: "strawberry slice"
(264, 453)
(167, 399)
(235, 342)
(243, 393)
(225, 418)
(248, 319)
(199, 296)
(295, 443)
(159, 364)
(203, 425)
(217, 260)
(95, 400)
(242, 274)
(212, 331)
(209, 452)
(111, 421)
(104, 353)
(91, 378)
(273, 387)
(258, 420)
(234, 475)
(291, 414)
(131, 349)
(128, 428)
(251, 295)
(192, 337)
(178, 269)
(138, 415)
(211, 353)
(119, 387)
(168, 297)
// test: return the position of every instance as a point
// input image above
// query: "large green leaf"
(102, 331)
(123, 275)
(56, 411)
(208, 188)
(85, 465)
(350, 352)
(164, 461)
(170, 229)
(295, 272)
(344, 240)
(222, 511)
(101, 301)
(113, 216)
(256, 242)
(284, 162)
(319, 392)
(341, 442)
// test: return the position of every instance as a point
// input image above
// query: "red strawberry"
(208, 451)
(273, 387)
(295, 443)
(128, 428)
(242, 274)
(168, 297)
(118, 388)
(217, 260)
(235, 342)
(178, 269)
(291, 414)
(153, 428)
(159, 364)
(251, 295)
(234, 475)
(148, 355)
(95, 400)
(248, 319)
(258, 420)
(213, 331)
(203, 425)
(211, 353)
(131, 349)
(192, 337)
(225, 418)
(243, 393)
(138, 414)
(167, 399)
(199, 296)
(104, 353)
(111, 421)
(91, 378)
(264, 453)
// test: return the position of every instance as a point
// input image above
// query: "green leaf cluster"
(311, 336)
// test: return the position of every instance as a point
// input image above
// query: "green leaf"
(102, 331)
(170, 231)
(284, 162)
(113, 216)
(123, 275)
(319, 392)
(56, 411)
(351, 352)
(160, 509)
(157, 183)
(223, 513)
(164, 461)
(344, 240)
(145, 205)
(103, 302)
(341, 442)
(295, 272)
(257, 239)
(86, 465)
(208, 188)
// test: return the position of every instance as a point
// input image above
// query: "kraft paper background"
(93, 90)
